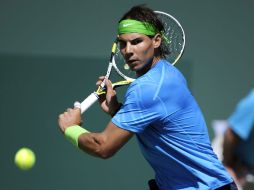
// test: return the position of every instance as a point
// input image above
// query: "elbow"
(104, 154)
(96, 146)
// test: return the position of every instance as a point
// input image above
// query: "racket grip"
(88, 102)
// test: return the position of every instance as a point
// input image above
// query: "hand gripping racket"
(176, 43)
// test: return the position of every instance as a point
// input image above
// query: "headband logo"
(125, 25)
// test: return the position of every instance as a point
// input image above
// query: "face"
(138, 51)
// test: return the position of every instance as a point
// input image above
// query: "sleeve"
(242, 119)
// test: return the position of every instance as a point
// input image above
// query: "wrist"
(72, 133)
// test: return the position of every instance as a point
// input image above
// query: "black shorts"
(152, 184)
(232, 186)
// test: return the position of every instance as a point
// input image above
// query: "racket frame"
(182, 31)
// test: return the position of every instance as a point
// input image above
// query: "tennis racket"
(175, 36)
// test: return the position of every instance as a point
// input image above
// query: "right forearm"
(106, 143)
(85, 140)
(229, 146)
(93, 143)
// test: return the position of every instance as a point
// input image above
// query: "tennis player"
(238, 142)
(158, 109)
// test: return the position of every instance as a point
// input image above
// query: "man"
(159, 109)
(238, 155)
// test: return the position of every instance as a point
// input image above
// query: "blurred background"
(51, 53)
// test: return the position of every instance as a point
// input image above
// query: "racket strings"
(175, 34)
(122, 67)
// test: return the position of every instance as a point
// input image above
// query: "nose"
(128, 48)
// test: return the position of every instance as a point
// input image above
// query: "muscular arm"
(231, 140)
(230, 160)
(106, 143)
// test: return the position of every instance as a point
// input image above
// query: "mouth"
(131, 62)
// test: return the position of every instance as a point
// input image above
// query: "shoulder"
(141, 92)
(247, 103)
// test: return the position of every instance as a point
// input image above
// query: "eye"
(121, 44)
(136, 41)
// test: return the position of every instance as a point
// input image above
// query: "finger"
(101, 77)
(108, 84)
(60, 116)
(68, 109)
(100, 80)
(98, 83)
(60, 119)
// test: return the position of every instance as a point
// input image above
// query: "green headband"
(134, 26)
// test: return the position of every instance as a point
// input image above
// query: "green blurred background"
(51, 53)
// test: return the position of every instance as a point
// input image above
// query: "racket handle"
(88, 102)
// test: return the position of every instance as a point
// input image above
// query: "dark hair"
(145, 14)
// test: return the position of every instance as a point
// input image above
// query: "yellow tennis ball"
(25, 158)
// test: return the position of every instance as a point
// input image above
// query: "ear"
(157, 40)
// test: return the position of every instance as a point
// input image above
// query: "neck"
(148, 66)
